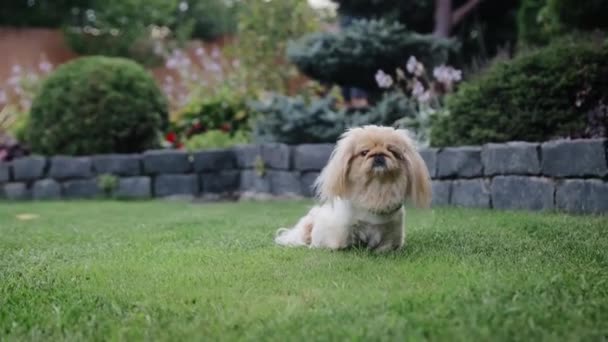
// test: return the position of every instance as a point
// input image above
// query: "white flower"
(199, 51)
(417, 89)
(414, 66)
(411, 64)
(183, 6)
(447, 74)
(16, 69)
(383, 80)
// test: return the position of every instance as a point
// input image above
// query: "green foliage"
(535, 97)
(296, 120)
(212, 19)
(535, 23)
(129, 28)
(264, 27)
(353, 56)
(97, 105)
(541, 21)
(224, 110)
(39, 13)
(107, 183)
(417, 15)
(582, 15)
(215, 139)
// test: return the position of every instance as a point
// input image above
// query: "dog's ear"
(333, 180)
(419, 181)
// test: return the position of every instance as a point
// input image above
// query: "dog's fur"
(361, 201)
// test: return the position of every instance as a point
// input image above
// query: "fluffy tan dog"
(370, 174)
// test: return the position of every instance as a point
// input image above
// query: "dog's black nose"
(379, 161)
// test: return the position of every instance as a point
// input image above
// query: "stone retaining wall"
(566, 175)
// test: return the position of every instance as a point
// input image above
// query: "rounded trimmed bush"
(557, 91)
(97, 105)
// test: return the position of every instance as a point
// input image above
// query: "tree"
(446, 17)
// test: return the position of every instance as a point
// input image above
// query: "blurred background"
(119, 76)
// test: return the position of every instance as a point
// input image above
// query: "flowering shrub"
(427, 92)
(197, 75)
(204, 94)
(15, 101)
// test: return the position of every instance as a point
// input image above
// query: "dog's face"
(377, 167)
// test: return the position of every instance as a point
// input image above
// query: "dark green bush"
(212, 19)
(530, 28)
(353, 56)
(417, 15)
(296, 120)
(97, 105)
(542, 95)
(39, 13)
(583, 15)
(540, 21)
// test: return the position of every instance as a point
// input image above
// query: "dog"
(361, 191)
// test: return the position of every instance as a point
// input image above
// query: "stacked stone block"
(565, 175)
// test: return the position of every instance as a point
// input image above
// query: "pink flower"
(414, 66)
(45, 66)
(417, 89)
(383, 80)
(447, 74)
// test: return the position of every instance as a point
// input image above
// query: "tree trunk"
(443, 18)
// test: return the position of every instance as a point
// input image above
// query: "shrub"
(263, 32)
(417, 14)
(296, 120)
(216, 139)
(136, 29)
(39, 13)
(539, 96)
(583, 15)
(212, 19)
(225, 111)
(352, 57)
(97, 105)
(530, 30)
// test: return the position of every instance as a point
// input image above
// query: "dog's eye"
(364, 153)
(395, 153)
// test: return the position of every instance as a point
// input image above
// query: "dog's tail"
(299, 235)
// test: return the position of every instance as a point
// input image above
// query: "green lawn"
(176, 271)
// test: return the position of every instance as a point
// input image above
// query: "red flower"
(226, 127)
(171, 137)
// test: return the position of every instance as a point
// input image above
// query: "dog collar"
(387, 212)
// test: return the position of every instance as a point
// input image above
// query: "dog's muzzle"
(379, 161)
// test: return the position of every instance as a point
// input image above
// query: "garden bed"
(169, 271)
